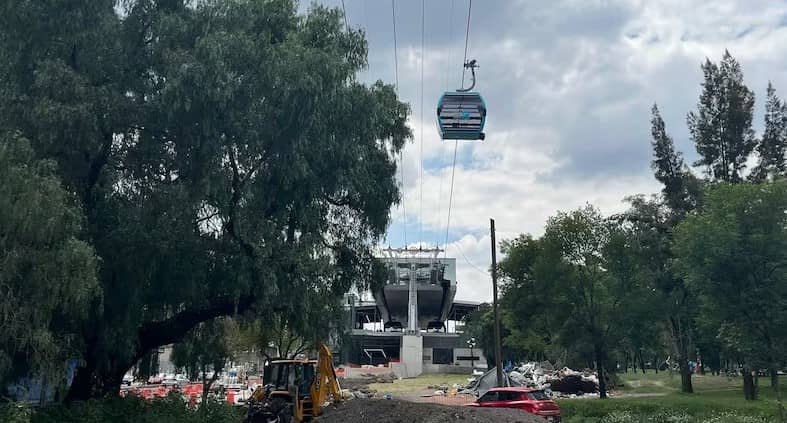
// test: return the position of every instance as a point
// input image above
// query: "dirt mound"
(394, 411)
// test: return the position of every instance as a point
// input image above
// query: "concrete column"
(412, 356)
(412, 305)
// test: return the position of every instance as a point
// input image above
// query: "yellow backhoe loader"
(295, 390)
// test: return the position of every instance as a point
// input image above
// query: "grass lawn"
(645, 398)
(419, 383)
(657, 398)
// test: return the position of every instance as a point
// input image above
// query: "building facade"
(411, 324)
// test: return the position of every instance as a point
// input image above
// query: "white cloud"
(569, 85)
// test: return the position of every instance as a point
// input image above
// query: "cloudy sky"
(569, 85)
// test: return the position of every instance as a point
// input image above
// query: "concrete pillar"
(411, 356)
(412, 304)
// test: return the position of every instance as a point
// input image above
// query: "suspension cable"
(401, 155)
(396, 58)
(453, 167)
(450, 198)
(467, 37)
(421, 199)
(445, 84)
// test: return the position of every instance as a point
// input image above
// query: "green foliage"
(225, 157)
(657, 398)
(15, 413)
(773, 146)
(205, 348)
(706, 407)
(575, 288)
(721, 126)
(523, 299)
(681, 189)
(48, 278)
(481, 326)
(733, 255)
(136, 410)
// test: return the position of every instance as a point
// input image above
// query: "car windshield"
(537, 395)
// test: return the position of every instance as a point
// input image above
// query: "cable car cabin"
(461, 116)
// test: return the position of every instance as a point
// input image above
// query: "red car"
(534, 401)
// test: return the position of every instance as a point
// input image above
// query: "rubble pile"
(359, 393)
(359, 387)
(373, 378)
(563, 382)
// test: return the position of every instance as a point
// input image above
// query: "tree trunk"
(656, 363)
(748, 386)
(90, 382)
(626, 362)
(602, 383)
(641, 362)
(685, 376)
(680, 340)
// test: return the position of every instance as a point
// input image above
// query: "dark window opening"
(442, 356)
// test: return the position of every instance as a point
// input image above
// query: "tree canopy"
(698, 265)
(48, 280)
(733, 255)
(223, 153)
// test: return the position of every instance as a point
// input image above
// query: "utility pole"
(498, 358)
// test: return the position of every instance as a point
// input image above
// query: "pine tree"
(669, 168)
(771, 149)
(721, 127)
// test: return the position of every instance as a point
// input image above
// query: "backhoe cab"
(295, 390)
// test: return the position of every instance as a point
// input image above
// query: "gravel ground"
(394, 411)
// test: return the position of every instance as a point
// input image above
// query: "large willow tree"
(225, 157)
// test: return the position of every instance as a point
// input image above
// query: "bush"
(172, 409)
(14, 413)
(664, 416)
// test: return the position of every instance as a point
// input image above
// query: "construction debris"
(563, 382)
(374, 378)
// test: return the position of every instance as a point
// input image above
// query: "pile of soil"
(394, 411)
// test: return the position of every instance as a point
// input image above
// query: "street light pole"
(498, 358)
(471, 344)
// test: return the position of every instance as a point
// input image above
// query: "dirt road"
(395, 411)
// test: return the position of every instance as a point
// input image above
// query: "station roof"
(460, 309)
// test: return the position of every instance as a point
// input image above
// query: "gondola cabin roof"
(461, 116)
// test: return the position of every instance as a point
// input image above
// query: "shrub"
(173, 409)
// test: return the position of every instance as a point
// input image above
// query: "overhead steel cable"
(396, 87)
(445, 84)
(421, 199)
(467, 37)
(456, 142)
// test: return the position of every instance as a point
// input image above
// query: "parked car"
(182, 379)
(533, 401)
(479, 371)
(169, 379)
(128, 379)
(155, 379)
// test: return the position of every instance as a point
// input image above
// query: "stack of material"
(358, 388)
(564, 382)
(378, 378)
(361, 393)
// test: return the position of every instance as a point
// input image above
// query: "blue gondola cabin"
(461, 116)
